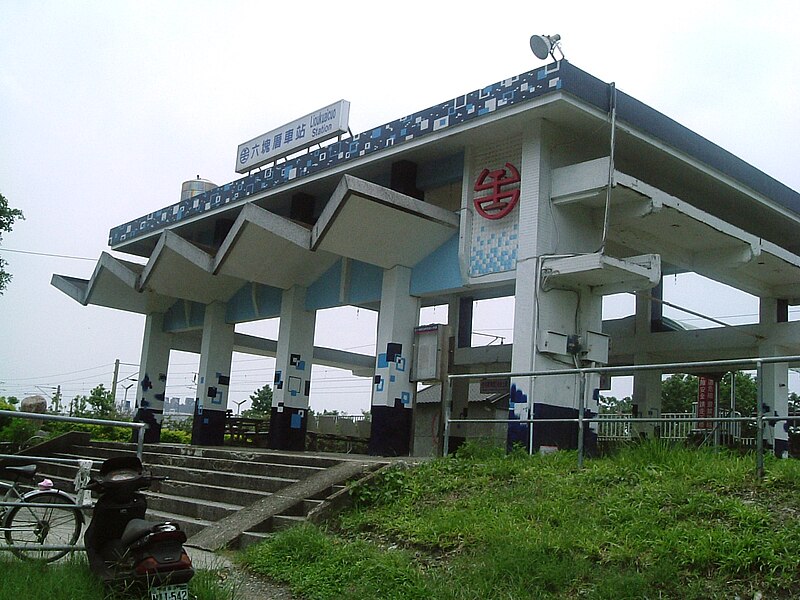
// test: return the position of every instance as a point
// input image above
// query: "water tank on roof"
(193, 187)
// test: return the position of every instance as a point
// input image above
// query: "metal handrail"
(760, 419)
(47, 417)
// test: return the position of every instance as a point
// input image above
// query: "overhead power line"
(47, 254)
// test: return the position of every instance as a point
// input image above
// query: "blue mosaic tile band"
(494, 252)
(447, 115)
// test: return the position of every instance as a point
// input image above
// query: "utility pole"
(114, 383)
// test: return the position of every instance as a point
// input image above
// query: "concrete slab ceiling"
(379, 226)
(604, 274)
(180, 269)
(114, 285)
(266, 248)
(644, 219)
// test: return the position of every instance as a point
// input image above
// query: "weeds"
(653, 521)
(70, 579)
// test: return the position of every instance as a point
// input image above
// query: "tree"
(261, 402)
(746, 392)
(611, 405)
(99, 403)
(8, 216)
(678, 392)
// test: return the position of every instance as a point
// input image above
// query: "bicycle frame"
(13, 496)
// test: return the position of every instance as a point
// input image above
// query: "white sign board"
(314, 128)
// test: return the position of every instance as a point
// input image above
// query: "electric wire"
(47, 254)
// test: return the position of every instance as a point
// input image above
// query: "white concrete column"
(399, 314)
(293, 361)
(216, 350)
(646, 384)
(775, 387)
(153, 373)
(295, 351)
(533, 210)
(392, 391)
(543, 312)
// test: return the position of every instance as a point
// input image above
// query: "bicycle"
(41, 524)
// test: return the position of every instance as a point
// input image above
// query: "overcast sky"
(107, 106)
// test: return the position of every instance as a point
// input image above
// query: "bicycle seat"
(17, 473)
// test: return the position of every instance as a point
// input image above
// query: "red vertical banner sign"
(706, 397)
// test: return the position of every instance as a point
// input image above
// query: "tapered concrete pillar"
(775, 385)
(289, 417)
(392, 391)
(153, 376)
(213, 383)
(646, 384)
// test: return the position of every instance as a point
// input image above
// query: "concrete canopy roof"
(604, 274)
(266, 248)
(644, 219)
(180, 269)
(393, 229)
(650, 146)
(114, 284)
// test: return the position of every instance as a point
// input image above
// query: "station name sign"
(314, 128)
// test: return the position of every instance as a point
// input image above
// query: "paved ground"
(247, 585)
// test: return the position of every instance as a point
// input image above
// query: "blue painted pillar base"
(391, 430)
(287, 429)
(208, 428)
(564, 436)
(781, 446)
(152, 435)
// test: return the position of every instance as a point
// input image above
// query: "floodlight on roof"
(543, 46)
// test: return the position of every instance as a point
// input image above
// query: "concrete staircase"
(228, 497)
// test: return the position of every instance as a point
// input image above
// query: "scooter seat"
(17, 473)
(135, 529)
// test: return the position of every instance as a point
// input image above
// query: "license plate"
(170, 592)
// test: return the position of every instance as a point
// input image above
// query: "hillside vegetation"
(650, 522)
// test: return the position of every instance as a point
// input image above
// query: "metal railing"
(47, 417)
(29, 458)
(759, 419)
(678, 426)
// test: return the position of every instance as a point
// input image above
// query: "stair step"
(249, 455)
(204, 491)
(281, 522)
(229, 479)
(190, 525)
(301, 508)
(233, 464)
(188, 507)
(248, 538)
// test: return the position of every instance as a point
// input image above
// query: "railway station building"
(551, 187)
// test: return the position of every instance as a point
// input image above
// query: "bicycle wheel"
(29, 527)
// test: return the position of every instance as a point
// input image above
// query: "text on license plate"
(170, 592)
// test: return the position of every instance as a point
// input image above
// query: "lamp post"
(125, 397)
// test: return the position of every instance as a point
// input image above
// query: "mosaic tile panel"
(444, 116)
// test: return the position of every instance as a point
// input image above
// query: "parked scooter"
(125, 549)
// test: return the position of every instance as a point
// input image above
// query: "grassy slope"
(651, 522)
(70, 579)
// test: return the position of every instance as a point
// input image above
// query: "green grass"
(650, 522)
(70, 579)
